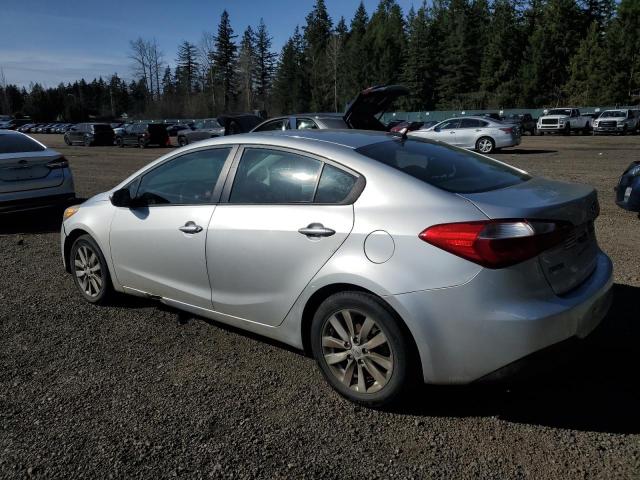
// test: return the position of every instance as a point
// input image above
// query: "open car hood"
(363, 112)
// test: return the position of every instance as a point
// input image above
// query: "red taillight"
(507, 129)
(59, 163)
(497, 243)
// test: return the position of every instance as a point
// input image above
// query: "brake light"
(59, 163)
(507, 129)
(497, 243)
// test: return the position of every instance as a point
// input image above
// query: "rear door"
(287, 213)
(468, 131)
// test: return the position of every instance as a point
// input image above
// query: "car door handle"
(452, 133)
(190, 227)
(315, 230)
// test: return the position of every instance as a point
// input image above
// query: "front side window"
(274, 176)
(449, 124)
(186, 180)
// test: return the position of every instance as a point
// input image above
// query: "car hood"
(556, 117)
(363, 112)
(100, 197)
(610, 119)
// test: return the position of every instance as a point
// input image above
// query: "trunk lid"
(29, 171)
(363, 112)
(568, 264)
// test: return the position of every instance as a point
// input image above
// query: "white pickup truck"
(563, 120)
(617, 121)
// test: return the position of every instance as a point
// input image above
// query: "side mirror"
(121, 198)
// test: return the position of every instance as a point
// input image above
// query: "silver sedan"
(391, 260)
(32, 175)
(477, 133)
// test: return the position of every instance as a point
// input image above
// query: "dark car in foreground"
(89, 134)
(143, 135)
(31, 175)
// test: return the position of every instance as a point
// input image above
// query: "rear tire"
(361, 349)
(182, 141)
(87, 141)
(485, 145)
(90, 271)
(142, 143)
(119, 142)
(67, 141)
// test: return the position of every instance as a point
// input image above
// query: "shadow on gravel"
(521, 151)
(594, 386)
(44, 220)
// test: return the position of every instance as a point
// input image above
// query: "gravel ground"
(140, 390)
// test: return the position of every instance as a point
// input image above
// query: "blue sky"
(59, 41)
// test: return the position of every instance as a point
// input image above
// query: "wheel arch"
(320, 295)
(68, 242)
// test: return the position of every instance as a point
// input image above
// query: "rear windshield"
(443, 166)
(99, 127)
(13, 143)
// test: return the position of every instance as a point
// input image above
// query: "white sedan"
(482, 134)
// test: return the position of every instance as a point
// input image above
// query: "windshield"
(443, 166)
(613, 114)
(560, 111)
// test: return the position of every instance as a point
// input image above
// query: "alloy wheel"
(485, 145)
(357, 351)
(88, 271)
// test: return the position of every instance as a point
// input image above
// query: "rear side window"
(274, 176)
(443, 166)
(101, 128)
(13, 143)
(335, 185)
(271, 126)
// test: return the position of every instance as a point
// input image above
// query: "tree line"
(451, 54)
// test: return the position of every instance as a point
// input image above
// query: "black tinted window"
(188, 179)
(470, 123)
(99, 127)
(14, 143)
(274, 176)
(335, 185)
(305, 124)
(443, 166)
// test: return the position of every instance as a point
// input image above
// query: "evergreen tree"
(186, 68)
(385, 39)
(247, 68)
(551, 47)
(499, 82)
(418, 69)
(588, 71)
(290, 86)
(265, 65)
(224, 59)
(357, 54)
(317, 32)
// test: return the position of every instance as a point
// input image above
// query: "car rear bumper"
(39, 198)
(509, 141)
(466, 332)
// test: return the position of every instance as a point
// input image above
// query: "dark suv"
(143, 135)
(89, 134)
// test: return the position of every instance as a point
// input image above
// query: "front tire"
(90, 271)
(485, 145)
(119, 142)
(67, 141)
(182, 141)
(361, 350)
(87, 141)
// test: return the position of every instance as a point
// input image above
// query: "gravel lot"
(140, 390)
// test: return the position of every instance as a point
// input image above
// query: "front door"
(276, 232)
(158, 246)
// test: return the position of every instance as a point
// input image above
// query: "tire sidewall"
(106, 284)
(397, 339)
